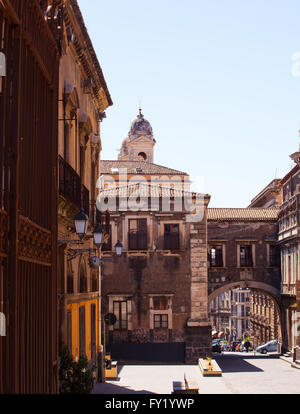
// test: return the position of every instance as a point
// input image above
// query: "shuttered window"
(69, 330)
(137, 237)
(120, 311)
(171, 237)
(93, 332)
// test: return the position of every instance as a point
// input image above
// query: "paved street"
(242, 374)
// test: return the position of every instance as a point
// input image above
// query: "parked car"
(216, 347)
(271, 346)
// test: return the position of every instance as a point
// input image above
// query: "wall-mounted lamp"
(95, 139)
(81, 223)
(98, 235)
(119, 248)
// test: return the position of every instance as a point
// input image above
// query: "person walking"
(247, 345)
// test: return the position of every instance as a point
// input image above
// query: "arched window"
(95, 279)
(142, 156)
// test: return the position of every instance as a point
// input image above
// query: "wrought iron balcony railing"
(288, 289)
(70, 186)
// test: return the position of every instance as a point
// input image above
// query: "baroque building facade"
(83, 98)
(172, 268)
(288, 239)
(157, 290)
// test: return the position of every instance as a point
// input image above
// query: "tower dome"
(139, 144)
(140, 127)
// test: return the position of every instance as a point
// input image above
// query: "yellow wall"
(74, 308)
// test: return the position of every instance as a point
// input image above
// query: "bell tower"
(139, 145)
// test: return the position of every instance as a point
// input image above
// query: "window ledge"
(217, 268)
(170, 252)
(246, 267)
(137, 252)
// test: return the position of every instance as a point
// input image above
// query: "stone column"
(198, 329)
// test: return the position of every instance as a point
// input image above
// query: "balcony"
(288, 289)
(70, 186)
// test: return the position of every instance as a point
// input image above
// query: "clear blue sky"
(215, 80)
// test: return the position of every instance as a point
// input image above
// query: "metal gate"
(149, 352)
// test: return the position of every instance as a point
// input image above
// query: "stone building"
(242, 253)
(240, 321)
(220, 314)
(288, 238)
(264, 315)
(269, 197)
(158, 288)
(264, 319)
(83, 98)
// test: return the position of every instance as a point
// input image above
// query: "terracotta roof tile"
(147, 190)
(243, 214)
(146, 167)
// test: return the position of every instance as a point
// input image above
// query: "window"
(95, 279)
(160, 303)
(160, 321)
(142, 156)
(274, 255)
(93, 332)
(246, 259)
(171, 237)
(82, 279)
(216, 256)
(120, 311)
(137, 237)
(82, 330)
(106, 247)
(69, 330)
(70, 278)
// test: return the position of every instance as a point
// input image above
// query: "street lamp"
(119, 247)
(98, 235)
(81, 223)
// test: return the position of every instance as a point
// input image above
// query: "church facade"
(158, 288)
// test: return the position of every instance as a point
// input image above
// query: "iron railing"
(70, 186)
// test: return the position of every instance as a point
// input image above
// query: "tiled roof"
(131, 166)
(243, 214)
(147, 190)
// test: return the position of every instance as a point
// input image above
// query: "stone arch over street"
(263, 290)
(266, 288)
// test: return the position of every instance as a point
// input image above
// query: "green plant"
(75, 377)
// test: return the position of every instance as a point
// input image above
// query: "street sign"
(110, 319)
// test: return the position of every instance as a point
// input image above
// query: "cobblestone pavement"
(242, 374)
